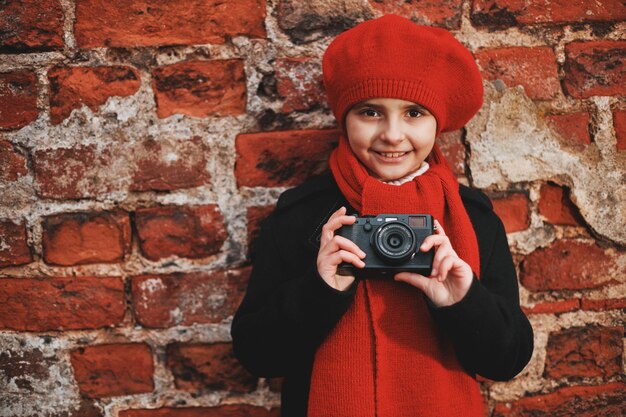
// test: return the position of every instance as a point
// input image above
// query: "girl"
(411, 345)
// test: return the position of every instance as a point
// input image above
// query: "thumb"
(416, 280)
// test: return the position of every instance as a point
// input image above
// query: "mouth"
(391, 155)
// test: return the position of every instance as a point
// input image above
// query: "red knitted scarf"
(386, 357)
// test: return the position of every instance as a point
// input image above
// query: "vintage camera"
(391, 243)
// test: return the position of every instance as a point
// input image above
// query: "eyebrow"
(378, 106)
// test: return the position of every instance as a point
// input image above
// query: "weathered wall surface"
(142, 141)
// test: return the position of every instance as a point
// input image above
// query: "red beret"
(393, 57)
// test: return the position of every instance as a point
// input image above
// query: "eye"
(414, 113)
(369, 113)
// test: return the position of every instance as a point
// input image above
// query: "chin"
(390, 177)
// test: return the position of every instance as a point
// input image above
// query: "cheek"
(358, 137)
(425, 138)
(430, 128)
(426, 145)
(352, 125)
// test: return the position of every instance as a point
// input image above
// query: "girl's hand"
(450, 278)
(337, 249)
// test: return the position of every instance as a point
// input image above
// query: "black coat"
(289, 309)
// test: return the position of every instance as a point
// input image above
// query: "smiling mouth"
(391, 154)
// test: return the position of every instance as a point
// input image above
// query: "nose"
(392, 131)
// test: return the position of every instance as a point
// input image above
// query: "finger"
(345, 256)
(341, 243)
(433, 241)
(441, 253)
(336, 223)
(338, 219)
(416, 280)
(444, 267)
(346, 244)
(439, 228)
(328, 230)
(327, 233)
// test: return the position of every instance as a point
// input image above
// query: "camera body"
(391, 243)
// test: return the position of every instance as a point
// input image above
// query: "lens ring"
(394, 242)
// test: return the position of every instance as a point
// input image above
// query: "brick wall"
(142, 141)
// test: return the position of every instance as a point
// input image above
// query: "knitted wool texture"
(393, 57)
(386, 356)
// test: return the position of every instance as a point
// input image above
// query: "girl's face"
(391, 137)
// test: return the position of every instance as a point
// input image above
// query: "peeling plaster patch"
(152, 285)
(35, 378)
(192, 303)
(176, 316)
(124, 109)
(510, 142)
(3, 245)
(148, 288)
(216, 301)
(170, 151)
(171, 157)
(617, 270)
(302, 79)
(527, 241)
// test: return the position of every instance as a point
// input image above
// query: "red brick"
(255, 216)
(619, 122)
(84, 171)
(513, 210)
(85, 238)
(569, 265)
(238, 410)
(533, 68)
(603, 305)
(282, 159)
(580, 401)
(200, 88)
(169, 164)
(73, 87)
(208, 366)
(573, 128)
(111, 370)
(523, 12)
(31, 26)
(13, 165)
(299, 81)
(452, 147)
(60, 303)
(185, 299)
(584, 352)
(14, 248)
(166, 22)
(446, 13)
(187, 232)
(553, 307)
(73, 173)
(595, 69)
(18, 99)
(555, 205)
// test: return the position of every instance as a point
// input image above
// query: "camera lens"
(394, 242)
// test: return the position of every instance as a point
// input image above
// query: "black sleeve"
(491, 335)
(284, 316)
